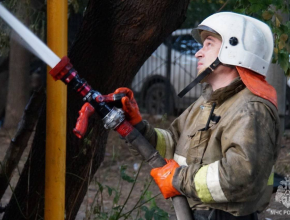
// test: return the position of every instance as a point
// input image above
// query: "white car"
(149, 84)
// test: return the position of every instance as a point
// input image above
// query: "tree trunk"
(3, 85)
(115, 40)
(18, 85)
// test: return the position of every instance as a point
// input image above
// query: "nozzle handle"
(82, 123)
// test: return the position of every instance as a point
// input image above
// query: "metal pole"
(56, 116)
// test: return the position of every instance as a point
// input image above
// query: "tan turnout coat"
(230, 165)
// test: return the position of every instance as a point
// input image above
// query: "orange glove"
(129, 106)
(163, 177)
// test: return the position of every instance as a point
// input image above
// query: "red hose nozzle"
(61, 69)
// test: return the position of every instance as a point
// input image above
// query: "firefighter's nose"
(199, 53)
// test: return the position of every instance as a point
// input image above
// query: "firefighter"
(221, 150)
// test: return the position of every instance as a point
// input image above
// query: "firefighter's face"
(208, 53)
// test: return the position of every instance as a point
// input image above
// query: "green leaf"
(160, 214)
(277, 22)
(101, 188)
(254, 1)
(117, 197)
(154, 211)
(97, 209)
(267, 15)
(148, 196)
(157, 216)
(240, 11)
(283, 60)
(148, 212)
(257, 8)
(109, 190)
(281, 45)
(124, 176)
(283, 28)
(102, 216)
(144, 208)
(268, 2)
(288, 24)
(277, 3)
(149, 215)
(276, 30)
(117, 207)
(113, 217)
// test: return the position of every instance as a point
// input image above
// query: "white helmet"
(246, 41)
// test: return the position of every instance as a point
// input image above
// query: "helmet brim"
(196, 32)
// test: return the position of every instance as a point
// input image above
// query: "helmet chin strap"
(200, 77)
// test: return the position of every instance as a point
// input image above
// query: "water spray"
(36, 45)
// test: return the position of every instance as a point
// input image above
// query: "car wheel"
(155, 100)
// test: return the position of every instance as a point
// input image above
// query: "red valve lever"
(82, 123)
(105, 98)
(110, 97)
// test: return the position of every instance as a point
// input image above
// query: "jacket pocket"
(198, 144)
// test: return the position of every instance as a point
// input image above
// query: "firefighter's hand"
(163, 177)
(129, 106)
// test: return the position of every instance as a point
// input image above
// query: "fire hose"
(113, 118)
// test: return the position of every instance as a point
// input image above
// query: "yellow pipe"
(56, 116)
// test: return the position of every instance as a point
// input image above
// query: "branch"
(19, 142)
(223, 6)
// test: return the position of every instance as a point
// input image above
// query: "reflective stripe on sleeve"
(181, 160)
(201, 186)
(271, 178)
(213, 183)
(164, 141)
(161, 144)
(207, 184)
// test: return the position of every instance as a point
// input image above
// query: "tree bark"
(3, 85)
(18, 85)
(115, 40)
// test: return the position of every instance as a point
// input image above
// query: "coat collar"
(222, 94)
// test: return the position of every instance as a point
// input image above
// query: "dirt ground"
(115, 189)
